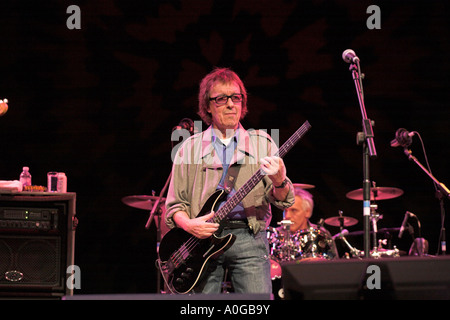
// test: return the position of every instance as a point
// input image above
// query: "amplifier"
(16, 219)
(37, 243)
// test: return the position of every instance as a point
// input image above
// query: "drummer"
(300, 213)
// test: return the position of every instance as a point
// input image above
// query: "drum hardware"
(286, 224)
(376, 253)
(374, 217)
(376, 193)
(353, 251)
(336, 221)
(379, 251)
(143, 202)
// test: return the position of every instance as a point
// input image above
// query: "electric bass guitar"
(183, 258)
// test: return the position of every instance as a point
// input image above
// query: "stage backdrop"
(95, 93)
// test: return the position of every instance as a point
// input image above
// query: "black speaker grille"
(30, 261)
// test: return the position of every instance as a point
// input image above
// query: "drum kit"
(312, 243)
(315, 244)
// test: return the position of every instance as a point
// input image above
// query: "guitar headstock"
(3, 106)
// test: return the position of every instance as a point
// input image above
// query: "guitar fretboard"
(258, 175)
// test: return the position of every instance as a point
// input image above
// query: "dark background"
(99, 104)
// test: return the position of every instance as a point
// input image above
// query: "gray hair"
(308, 202)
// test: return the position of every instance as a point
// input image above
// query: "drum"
(275, 270)
(299, 245)
(283, 245)
(304, 245)
(315, 244)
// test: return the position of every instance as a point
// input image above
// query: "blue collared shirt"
(225, 154)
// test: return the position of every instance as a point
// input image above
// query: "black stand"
(442, 192)
(157, 209)
(366, 139)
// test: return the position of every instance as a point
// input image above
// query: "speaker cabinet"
(37, 242)
(404, 278)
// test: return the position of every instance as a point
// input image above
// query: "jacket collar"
(244, 147)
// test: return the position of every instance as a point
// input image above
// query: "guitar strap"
(230, 178)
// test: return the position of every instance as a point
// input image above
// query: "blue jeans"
(247, 262)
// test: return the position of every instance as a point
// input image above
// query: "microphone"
(343, 233)
(186, 124)
(403, 138)
(403, 226)
(3, 106)
(349, 56)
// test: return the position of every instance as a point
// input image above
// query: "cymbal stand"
(353, 251)
(374, 217)
(341, 220)
(365, 139)
(287, 245)
(157, 209)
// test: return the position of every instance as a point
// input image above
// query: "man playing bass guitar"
(208, 169)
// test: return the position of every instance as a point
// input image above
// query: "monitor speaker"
(37, 234)
(403, 278)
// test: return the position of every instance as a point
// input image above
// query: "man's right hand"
(198, 227)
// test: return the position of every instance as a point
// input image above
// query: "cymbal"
(376, 193)
(303, 186)
(141, 201)
(336, 221)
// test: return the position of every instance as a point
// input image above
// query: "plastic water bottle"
(25, 177)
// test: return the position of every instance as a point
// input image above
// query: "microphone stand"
(442, 192)
(366, 139)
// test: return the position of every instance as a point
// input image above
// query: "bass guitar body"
(184, 259)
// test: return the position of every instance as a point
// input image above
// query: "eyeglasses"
(223, 99)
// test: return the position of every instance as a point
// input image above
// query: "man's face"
(298, 216)
(225, 116)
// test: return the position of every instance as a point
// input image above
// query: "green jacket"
(197, 171)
